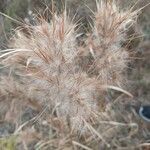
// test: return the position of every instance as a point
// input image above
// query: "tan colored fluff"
(45, 58)
(105, 42)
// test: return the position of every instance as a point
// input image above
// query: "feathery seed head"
(111, 24)
(47, 54)
(47, 48)
(73, 97)
(105, 42)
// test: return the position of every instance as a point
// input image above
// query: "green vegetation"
(16, 9)
(8, 143)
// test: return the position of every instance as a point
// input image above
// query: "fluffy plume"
(105, 43)
(45, 57)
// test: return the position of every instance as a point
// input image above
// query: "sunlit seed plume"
(70, 99)
(75, 98)
(105, 42)
(45, 56)
(46, 43)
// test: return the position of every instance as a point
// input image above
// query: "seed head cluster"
(43, 56)
(110, 59)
